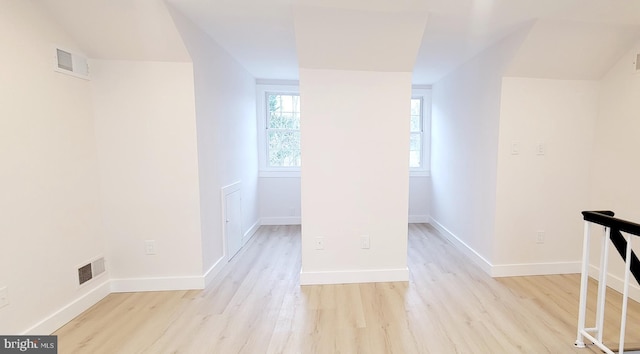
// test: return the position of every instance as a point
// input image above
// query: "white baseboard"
(252, 230)
(62, 316)
(214, 270)
(616, 283)
(296, 220)
(506, 270)
(515, 270)
(418, 219)
(354, 276)
(276, 220)
(157, 284)
(478, 259)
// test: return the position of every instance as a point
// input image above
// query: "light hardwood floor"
(256, 305)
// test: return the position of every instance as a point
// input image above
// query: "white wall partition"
(147, 148)
(355, 141)
(50, 203)
(355, 175)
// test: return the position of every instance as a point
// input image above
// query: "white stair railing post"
(584, 283)
(602, 284)
(625, 295)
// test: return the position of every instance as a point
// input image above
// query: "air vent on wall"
(637, 63)
(97, 267)
(70, 63)
(84, 274)
(91, 270)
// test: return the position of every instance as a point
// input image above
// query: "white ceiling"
(260, 34)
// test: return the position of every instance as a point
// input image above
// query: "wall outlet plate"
(150, 247)
(365, 242)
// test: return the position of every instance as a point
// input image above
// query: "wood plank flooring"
(256, 305)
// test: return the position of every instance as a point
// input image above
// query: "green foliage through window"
(283, 130)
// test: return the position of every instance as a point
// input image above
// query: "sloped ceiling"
(120, 29)
(571, 50)
(348, 39)
(260, 34)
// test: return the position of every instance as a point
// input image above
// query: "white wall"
(358, 183)
(227, 142)
(146, 138)
(419, 196)
(464, 148)
(50, 220)
(543, 192)
(615, 171)
(280, 200)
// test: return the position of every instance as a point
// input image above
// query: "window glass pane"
(273, 103)
(286, 103)
(415, 124)
(416, 144)
(284, 120)
(283, 111)
(296, 104)
(284, 148)
(414, 159)
(415, 106)
(415, 150)
(416, 115)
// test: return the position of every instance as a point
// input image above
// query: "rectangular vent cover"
(97, 267)
(637, 62)
(70, 63)
(84, 274)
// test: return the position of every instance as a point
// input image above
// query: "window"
(420, 146)
(283, 129)
(279, 117)
(278, 108)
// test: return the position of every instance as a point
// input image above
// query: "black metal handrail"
(605, 218)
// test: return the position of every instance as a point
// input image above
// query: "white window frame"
(261, 107)
(268, 171)
(425, 157)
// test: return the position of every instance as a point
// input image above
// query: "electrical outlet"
(150, 247)
(319, 242)
(540, 237)
(515, 148)
(4, 297)
(365, 242)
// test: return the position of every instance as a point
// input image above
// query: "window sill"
(279, 174)
(419, 173)
(296, 174)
